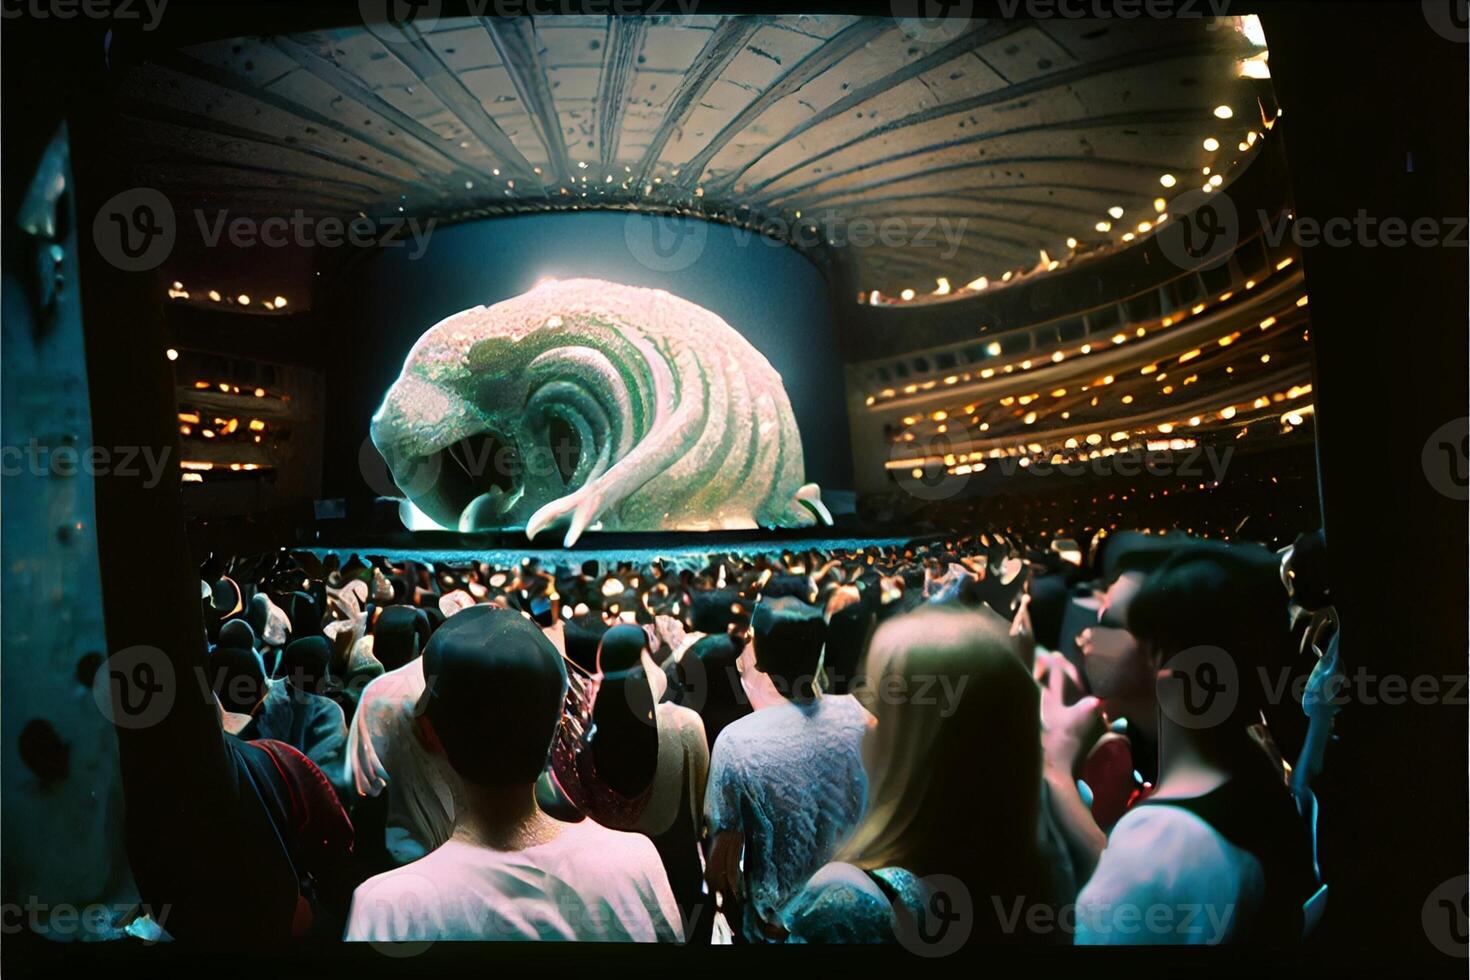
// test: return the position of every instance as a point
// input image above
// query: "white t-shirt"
(383, 751)
(1166, 877)
(790, 778)
(588, 883)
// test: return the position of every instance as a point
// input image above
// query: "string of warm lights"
(939, 419)
(1148, 221)
(176, 291)
(193, 470)
(1091, 446)
(1044, 358)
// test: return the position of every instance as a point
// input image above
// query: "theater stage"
(678, 548)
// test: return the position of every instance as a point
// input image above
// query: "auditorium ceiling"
(921, 160)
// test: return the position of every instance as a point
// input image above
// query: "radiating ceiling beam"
(987, 195)
(962, 45)
(836, 48)
(625, 42)
(724, 44)
(520, 52)
(424, 62)
(189, 66)
(1151, 117)
(984, 100)
(1070, 159)
(190, 126)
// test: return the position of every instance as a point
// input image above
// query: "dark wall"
(1389, 339)
(768, 292)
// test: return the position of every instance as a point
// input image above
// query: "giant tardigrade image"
(592, 405)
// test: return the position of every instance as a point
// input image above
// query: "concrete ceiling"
(1016, 136)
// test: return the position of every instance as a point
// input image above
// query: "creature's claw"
(584, 505)
(586, 513)
(549, 514)
(810, 497)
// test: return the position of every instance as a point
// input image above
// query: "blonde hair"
(954, 762)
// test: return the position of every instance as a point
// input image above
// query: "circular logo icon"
(944, 923)
(389, 20)
(1446, 459)
(135, 687)
(932, 21)
(1446, 917)
(665, 243)
(416, 477)
(929, 467)
(1450, 19)
(1202, 230)
(393, 904)
(135, 230)
(1198, 687)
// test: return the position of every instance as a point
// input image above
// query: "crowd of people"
(971, 740)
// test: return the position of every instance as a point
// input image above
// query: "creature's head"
(464, 434)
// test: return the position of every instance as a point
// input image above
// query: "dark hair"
(237, 633)
(1131, 551)
(304, 663)
(713, 611)
(848, 630)
(715, 681)
(788, 637)
(581, 636)
(625, 734)
(397, 636)
(495, 687)
(238, 676)
(1212, 594)
(793, 586)
(1050, 597)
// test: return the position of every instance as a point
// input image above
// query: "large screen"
(771, 299)
(586, 403)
